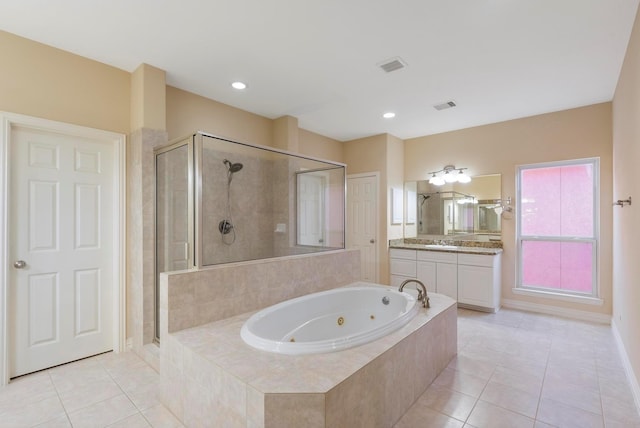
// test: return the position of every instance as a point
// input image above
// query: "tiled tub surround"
(212, 378)
(192, 298)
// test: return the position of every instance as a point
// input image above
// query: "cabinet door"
(403, 267)
(447, 280)
(427, 274)
(475, 285)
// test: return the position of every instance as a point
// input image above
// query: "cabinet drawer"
(437, 256)
(475, 260)
(403, 267)
(398, 253)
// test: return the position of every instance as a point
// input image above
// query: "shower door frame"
(175, 144)
(198, 147)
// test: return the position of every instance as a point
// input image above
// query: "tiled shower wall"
(251, 196)
(189, 299)
(140, 235)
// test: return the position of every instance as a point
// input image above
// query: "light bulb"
(450, 178)
(436, 181)
(463, 178)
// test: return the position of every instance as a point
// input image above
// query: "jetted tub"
(330, 320)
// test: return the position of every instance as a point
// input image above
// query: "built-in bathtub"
(331, 320)
(211, 377)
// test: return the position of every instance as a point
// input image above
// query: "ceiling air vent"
(392, 64)
(444, 106)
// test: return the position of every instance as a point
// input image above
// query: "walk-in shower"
(220, 201)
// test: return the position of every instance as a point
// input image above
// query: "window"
(557, 227)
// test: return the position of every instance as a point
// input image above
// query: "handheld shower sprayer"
(233, 167)
(226, 226)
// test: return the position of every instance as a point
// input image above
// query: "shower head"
(233, 167)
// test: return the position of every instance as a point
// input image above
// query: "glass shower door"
(174, 224)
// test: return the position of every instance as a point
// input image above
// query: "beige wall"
(499, 148)
(319, 146)
(395, 180)
(148, 98)
(626, 222)
(188, 113)
(41, 81)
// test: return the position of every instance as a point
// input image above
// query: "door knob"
(372, 241)
(19, 264)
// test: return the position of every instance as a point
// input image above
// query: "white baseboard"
(129, 344)
(554, 310)
(633, 381)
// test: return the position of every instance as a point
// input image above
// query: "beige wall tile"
(294, 410)
(196, 298)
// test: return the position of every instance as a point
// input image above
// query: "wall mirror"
(460, 209)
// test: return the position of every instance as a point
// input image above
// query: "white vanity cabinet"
(472, 279)
(479, 281)
(402, 264)
(438, 271)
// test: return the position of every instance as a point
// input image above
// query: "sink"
(441, 247)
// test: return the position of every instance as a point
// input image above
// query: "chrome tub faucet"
(422, 291)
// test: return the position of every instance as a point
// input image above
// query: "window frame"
(594, 240)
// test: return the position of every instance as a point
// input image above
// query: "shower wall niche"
(220, 201)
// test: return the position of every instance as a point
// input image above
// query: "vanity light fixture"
(239, 85)
(450, 176)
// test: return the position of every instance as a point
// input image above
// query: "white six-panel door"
(362, 223)
(311, 210)
(61, 227)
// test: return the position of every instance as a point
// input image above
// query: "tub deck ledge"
(211, 377)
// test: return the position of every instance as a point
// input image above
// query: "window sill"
(588, 300)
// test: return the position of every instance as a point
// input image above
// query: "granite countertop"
(463, 247)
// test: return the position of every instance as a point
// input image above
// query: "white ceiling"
(316, 60)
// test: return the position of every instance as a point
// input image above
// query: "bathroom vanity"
(470, 275)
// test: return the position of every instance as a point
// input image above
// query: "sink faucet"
(422, 291)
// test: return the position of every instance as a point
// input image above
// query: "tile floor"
(513, 369)
(108, 390)
(519, 369)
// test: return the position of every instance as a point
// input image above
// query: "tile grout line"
(125, 394)
(66, 413)
(544, 377)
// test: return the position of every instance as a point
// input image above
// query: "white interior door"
(61, 230)
(362, 223)
(311, 209)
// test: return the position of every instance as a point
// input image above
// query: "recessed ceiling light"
(389, 115)
(239, 85)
